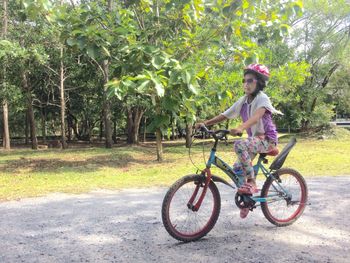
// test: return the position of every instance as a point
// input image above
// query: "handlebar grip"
(239, 134)
(204, 128)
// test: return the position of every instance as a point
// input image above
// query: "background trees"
(98, 69)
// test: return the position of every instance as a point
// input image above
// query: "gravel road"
(125, 226)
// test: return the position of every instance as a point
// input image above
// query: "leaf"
(81, 41)
(159, 87)
(170, 104)
(121, 31)
(157, 61)
(239, 13)
(193, 89)
(112, 91)
(174, 78)
(93, 51)
(298, 8)
(149, 50)
(106, 51)
(159, 121)
(186, 77)
(245, 4)
(238, 31)
(284, 29)
(114, 86)
(229, 94)
(128, 83)
(153, 99)
(143, 85)
(71, 42)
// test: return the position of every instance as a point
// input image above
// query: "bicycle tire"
(266, 206)
(169, 222)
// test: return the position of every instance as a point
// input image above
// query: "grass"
(27, 173)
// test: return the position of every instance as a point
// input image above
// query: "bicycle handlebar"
(222, 133)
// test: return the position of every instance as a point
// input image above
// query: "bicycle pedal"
(252, 208)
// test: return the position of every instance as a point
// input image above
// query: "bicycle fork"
(190, 204)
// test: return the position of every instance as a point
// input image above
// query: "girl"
(256, 112)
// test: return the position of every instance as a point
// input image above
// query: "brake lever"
(225, 139)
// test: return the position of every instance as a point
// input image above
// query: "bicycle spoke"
(186, 220)
(287, 198)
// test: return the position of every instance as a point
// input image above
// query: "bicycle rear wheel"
(178, 218)
(286, 197)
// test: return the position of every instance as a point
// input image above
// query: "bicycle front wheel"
(286, 197)
(179, 219)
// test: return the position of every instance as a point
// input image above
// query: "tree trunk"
(106, 107)
(114, 137)
(63, 101)
(27, 129)
(43, 124)
(159, 145)
(134, 119)
(188, 134)
(173, 129)
(73, 122)
(144, 129)
(6, 131)
(28, 92)
(111, 5)
(101, 126)
(130, 124)
(305, 125)
(69, 126)
(179, 130)
(137, 122)
(69, 136)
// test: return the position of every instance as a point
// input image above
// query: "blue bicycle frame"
(237, 176)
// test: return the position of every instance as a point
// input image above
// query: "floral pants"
(246, 151)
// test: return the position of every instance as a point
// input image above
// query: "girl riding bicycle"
(256, 112)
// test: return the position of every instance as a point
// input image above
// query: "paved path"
(125, 226)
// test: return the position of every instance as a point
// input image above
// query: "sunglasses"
(249, 81)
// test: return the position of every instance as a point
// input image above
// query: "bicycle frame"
(235, 177)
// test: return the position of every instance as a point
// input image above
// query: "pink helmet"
(260, 69)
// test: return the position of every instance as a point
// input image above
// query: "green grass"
(27, 173)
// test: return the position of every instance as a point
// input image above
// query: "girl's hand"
(199, 125)
(236, 131)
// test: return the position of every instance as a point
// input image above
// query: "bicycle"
(192, 204)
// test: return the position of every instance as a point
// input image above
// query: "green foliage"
(338, 90)
(180, 60)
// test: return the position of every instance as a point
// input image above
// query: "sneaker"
(248, 189)
(244, 212)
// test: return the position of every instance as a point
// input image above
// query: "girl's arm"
(250, 122)
(212, 121)
(215, 120)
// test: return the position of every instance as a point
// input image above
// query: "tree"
(6, 132)
(338, 90)
(84, 27)
(320, 38)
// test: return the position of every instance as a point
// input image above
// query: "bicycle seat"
(273, 152)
